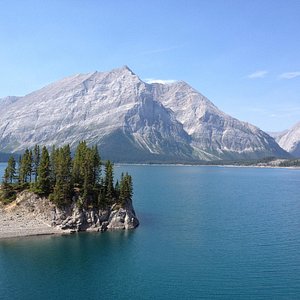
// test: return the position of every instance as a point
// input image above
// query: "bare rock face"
(290, 140)
(214, 134)
(130, 120)
(123, 218)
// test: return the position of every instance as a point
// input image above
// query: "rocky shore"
(32, 215)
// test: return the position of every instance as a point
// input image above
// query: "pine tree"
(6, 176)
(36, 161)
(96, 166)
(30, 164)
(89, 173)
(63, 189)
(11, 169)
(19, 170)
(126, 189)
(7, 191)
(55, 175)
(43, 184)
(86, 172)
(53, 165)
(79, 164)
(26, 167)
(117, 189)
(109, 182)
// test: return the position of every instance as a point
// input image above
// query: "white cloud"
(289, 75)
(258, 74)
(162, 81)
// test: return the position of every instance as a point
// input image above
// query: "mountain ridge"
(173, 122)
(290, 140)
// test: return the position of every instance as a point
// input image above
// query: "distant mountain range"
(289, 139)
(130, 120)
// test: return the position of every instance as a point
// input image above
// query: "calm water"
(205, 233)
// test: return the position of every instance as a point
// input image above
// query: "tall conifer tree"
(36, 161)
(63, 189)
(109, 181)
(43, 184)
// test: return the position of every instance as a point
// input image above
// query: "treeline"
(65, 179)
(290, 163)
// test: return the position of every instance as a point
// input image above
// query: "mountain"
(130, 120)
(290, 140)
(277, 134)
(8, 100)
(212, 131)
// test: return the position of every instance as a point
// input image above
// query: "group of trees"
(65, 179)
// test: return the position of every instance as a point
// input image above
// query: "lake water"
(205, 233)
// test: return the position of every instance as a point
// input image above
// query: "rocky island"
(54, 193)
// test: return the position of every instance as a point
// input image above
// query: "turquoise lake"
(205, 233)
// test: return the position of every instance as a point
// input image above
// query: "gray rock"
(117, 109)
(123, 218)
(290, 140)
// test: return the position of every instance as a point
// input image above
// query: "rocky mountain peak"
(130, 120)
(290, 140)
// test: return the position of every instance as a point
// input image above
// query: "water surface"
(205, 233)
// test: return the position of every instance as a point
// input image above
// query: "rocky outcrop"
(72, 218)
(123, 218)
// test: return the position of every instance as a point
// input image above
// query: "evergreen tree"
(43, 184)
(117, 189)
(55, 175)
(126, 189)
(96, 165)
(89, 184)
(19, 169)
(26, 167)
(101, 195)
(36, 161)
(22, 171)
(63, 189)
(6, 177)
(79, 164)
(7, 191)
(11, 169)
(109, 182)
(30, 165)
(86, 172)
(53, 165)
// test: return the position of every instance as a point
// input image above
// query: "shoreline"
(208, 165)
(30, 215)
(18, 237)
(22, 225)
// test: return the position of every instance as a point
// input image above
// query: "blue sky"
(243, 55)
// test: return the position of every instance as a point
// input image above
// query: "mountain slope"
(6, 101)
(290, 140)
(94, 107)
(130, 120)
(212, 130)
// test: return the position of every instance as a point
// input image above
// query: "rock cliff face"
(290, 140)
(72, 218)
(213, 133)
(130, 120)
